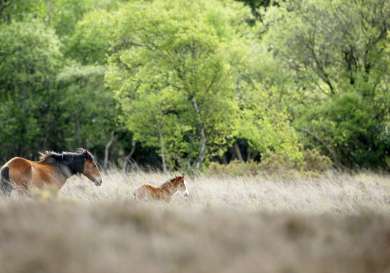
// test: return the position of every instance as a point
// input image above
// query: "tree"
(335, 50)
(265, 124)
(334, 43)
(14, 10)
(89, 111)
(257, 5)
(90, 42)
(45, 104)
(29, 59)
(170, 71)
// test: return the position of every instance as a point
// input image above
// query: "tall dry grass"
(335, 193)
(334, 223)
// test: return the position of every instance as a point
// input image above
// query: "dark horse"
(53, 169)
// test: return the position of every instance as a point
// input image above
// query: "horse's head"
(181, 185)
(90, 168)
(79, 162)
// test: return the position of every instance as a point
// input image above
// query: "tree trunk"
(238, 152)
(202, 148)
(248, 153)
(107, 150)
(203, 138)
(162, 153)
(128, 158)
(49, 11)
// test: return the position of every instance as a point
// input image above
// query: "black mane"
(73, 160)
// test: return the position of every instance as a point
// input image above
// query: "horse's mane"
(51, 157)
(170, 181)
(48, 157)
(73, 160)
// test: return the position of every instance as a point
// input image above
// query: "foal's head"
(180, 184)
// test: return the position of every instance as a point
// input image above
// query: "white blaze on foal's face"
(186, 192)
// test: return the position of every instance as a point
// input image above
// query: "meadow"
(224, 87)
(333, 223)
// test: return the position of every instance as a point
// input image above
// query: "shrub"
(315, 162)
(276, 163)
(234, 168)
(312, 163)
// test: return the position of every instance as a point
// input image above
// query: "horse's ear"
(87, 155)
(84, 153)
(42, 156)
(81, 150)
(48, 157)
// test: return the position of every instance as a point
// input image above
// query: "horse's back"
(145, 192)
(141, 192)
(150, 192)
(19, 163)
(19, 170)
(25, 173)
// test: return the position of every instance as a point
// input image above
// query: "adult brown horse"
(164, 192)
(53, 169)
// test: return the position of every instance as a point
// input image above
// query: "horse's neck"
(169, 188)
(65, 170)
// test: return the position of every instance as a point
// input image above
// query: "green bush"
(234, 168)
(278, 163)
(313, 163)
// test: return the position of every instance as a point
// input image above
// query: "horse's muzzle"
(98, 181)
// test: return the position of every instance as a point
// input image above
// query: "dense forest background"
(187, 84)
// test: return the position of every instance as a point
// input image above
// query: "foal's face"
(92, 171)
(183, 187)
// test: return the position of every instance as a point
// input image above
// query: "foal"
(164, 192)
(53, 169)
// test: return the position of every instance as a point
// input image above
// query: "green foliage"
(354, 128)
(312, 164)
(291, 83)
(172, 76)
(335, 51)
(45, 109)
(64, 15)
(234, 168)
(315, 162)
(267, 128)
(258, 6)
(30, 57)
(90, 112)
(334, 43)
(15, 10)
(91, 39)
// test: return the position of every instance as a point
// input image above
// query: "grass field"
(334, 223)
